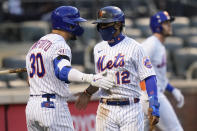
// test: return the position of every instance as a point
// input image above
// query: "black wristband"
(86, 92)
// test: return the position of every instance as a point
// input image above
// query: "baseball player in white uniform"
(160, 24)
(119, 108)
(48, 64)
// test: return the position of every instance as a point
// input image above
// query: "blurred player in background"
(48, 64)
(160, 24)
(124, 58)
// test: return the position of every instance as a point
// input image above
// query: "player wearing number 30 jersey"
(48, 64)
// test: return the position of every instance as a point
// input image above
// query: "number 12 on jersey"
(37, 66)
(122, 77)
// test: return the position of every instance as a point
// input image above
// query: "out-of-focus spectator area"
(22, 22)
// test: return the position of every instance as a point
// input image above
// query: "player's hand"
(153, 119)
(82, 100)
(153, 111)
(102, 80)
(179, 97)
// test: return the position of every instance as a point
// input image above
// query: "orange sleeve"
(143, 85)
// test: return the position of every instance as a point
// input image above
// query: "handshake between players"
(107, 81)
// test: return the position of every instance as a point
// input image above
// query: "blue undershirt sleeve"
(151, 86)
(63, 73)
(169, 87)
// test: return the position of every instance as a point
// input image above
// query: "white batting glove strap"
(179, 97)
(99, 80)
(87, 77)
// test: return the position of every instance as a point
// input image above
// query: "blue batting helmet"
(157, 19)
(110, 14)
(67, 18)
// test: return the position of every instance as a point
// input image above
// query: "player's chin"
(170, 33)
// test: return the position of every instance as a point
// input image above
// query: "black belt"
(48, 96)
(118, 102)
(48, 103)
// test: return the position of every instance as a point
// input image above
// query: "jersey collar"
(116, 40)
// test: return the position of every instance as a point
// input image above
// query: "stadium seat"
(184, 32)
(183, 59)
(33, 30)
(90, 32)
(192, 71)
(193, 31)
(9, 31)
(85, 12)
(143, 25)
(191, 41)
(77, 57)
(129, 13)
(89, 58)
(170, 63)
(6, 78)
(141, 39)
(133, 32)
(180, 21)
(15, 62)
(173, 43)
(3, 85)
(18, 83)
(193, 21)
(128, 23)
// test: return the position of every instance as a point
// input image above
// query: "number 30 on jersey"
(37, 66)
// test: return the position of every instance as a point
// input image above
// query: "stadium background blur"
(22, 22)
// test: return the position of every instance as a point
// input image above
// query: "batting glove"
(179, 97)
(100, 80)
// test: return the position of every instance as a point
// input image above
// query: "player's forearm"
(77, 76)
(152, 93)
(65, 72)
(151, 86)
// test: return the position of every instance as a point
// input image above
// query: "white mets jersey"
(129, 64)
(157, 53)
(39, 64)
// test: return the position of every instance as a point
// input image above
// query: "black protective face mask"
(107, 34)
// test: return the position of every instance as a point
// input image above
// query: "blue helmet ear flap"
(158, 29)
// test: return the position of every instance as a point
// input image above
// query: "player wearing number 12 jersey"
(119, 108)
(48, 64)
